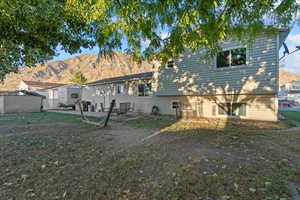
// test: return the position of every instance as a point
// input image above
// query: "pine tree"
(79, 78)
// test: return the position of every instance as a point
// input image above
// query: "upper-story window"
(170, 64)
(145, 89)
(232, 57)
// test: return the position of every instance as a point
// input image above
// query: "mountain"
(288, 77)
(92, 66)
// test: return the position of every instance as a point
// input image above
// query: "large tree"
(31, 30)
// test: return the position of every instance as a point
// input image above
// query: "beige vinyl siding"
(258, 107)
(194, 76)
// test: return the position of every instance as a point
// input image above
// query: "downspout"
(277, 78)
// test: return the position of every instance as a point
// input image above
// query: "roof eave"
(112, 82)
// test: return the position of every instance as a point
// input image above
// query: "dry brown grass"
(54, 156)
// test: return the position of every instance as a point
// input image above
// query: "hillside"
(287, 77)
(93, 69)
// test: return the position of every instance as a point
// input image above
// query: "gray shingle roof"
(146, 75)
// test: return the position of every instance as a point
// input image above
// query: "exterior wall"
(193, 75)
(258, 107)
(21, 103)
(104, 94)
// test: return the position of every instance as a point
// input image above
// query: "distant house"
(290, 91)
(56, 94)
(20, 101)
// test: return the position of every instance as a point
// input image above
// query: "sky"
(290, 63)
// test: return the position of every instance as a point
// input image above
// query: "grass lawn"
(293, 115)
(55, 156)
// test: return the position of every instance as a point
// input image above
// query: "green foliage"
(31, 30)
(293, 115)
(79, 78)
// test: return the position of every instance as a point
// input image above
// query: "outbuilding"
(20, 102)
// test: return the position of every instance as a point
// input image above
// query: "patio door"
(107, 100)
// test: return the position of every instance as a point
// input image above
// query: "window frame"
(178, 104)
(232, 66)
(170, 66)
(231, 110)
(145, 92)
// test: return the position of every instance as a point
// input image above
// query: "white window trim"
(230, 116)
(233, 66)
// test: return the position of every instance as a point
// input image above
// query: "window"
(175, 104)
(74, 96)
(141, 90)
(170, 64)
(233, 57)
(145, 89)
(232, 109)
(148, 89)
(120, 89)
(223, 59)
(100, 91)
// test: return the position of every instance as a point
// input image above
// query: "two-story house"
(241, 81)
